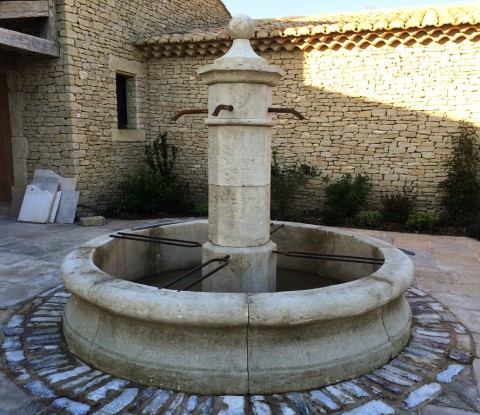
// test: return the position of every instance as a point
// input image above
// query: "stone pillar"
(19, 141)
(239, 158)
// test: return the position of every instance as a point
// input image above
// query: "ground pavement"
(446, 268)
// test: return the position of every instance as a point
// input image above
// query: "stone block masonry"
(68, 105)
(100, 32)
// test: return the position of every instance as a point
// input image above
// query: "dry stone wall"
(175, 86)
(387, 112)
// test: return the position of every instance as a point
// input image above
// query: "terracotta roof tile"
(404, 18)
(322, 30)
(368, 20)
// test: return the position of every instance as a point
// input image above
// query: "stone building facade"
(63, 110)
(382, 92)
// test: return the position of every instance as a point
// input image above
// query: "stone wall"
(387, 112)
(69, 104)
(175, 86)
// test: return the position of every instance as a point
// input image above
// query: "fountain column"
(239, 158)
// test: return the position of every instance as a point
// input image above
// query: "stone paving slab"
(468, 300)
(441, 410)
(425, 259)
(15, 400)
(31, 254)
(437, 357)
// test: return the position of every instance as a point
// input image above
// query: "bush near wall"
(345, 197)
(149, 191)
(461, 187)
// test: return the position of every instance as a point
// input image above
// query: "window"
(128, 94)
(122, 101)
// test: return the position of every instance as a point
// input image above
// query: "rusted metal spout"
(222, 107)
(189, 112)
(216, 111)
(287, 111)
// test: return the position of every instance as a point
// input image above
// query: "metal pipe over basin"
(287, 111)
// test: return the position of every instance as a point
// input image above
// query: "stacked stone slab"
(49, 198)
(239, 157)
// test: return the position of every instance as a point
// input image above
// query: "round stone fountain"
(238, 333)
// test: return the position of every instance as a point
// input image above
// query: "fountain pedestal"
(239, 159)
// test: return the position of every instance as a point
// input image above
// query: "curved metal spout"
(189, 112)
(221, 107)
(287, 111)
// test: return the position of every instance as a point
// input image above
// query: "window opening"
(122, 101)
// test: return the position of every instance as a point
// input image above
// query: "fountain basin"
(235, 343)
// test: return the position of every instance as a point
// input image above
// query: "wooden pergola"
(29, 26)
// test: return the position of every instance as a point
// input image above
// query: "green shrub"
(294, 215)
(161, 157)
(143, 192)
(396, 208)
(346, 196)
(421, 222)
(332, 217)
(285, 183)
(156, 189)
(201, 209)
(461, 188)
(370, 219)
(473, 229)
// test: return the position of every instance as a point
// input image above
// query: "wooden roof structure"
(29, 26)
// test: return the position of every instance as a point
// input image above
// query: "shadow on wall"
(387, 112)
(395, 147)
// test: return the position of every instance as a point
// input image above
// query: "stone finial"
(241, 64)
(241, 27)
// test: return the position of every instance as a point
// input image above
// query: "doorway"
(6, 159)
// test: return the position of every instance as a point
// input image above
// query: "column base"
(251, 269)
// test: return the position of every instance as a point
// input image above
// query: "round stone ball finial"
(241, 27)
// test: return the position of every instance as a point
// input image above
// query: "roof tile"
(321, 31)
(385, 19)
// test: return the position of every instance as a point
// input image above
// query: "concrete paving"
(447, 268)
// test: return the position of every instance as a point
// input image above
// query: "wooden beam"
(23, 9)
(29, 43)
(49, 27)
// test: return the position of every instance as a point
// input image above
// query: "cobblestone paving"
(36, 357)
